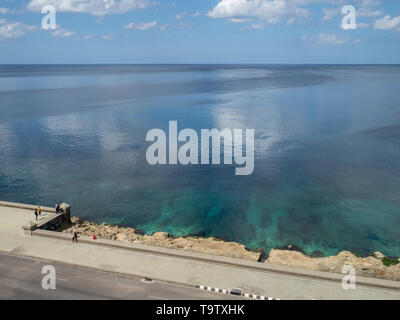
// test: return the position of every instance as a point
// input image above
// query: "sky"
(200, 31)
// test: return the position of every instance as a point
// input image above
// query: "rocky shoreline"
(163, 239)
(373, 266)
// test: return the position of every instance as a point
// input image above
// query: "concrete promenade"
(178, 266)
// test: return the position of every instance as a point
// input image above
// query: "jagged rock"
(378, 255)
(161, 235)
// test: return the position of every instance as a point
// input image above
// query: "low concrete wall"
(26, 206)
(56, 219)
(243, 264)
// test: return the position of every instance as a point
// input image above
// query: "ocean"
(327, 149)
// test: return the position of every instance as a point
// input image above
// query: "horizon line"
(205, 64)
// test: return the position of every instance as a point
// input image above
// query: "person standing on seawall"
(75, 237)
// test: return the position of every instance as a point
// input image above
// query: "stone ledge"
(26, 206)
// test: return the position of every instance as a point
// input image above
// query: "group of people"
(38, 210)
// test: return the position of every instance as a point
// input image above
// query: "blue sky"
(199, 31)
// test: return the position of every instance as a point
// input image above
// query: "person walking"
(36, 215)
(57, 207)
(75, 237)
(39, 210)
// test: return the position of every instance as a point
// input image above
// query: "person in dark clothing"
(75, 237)
(36, 215)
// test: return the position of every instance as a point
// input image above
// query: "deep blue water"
(327, 169)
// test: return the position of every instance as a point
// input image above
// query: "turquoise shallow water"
(327, 169)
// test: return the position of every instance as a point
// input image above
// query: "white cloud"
(93, 7)
(4, 10)
(185, 13)
(13, 30)
(88, 37)
(326, 40)
(198, 13)
(236, 20)
(181, 15)
(330, 13)
(177, 26)
(369, 13)
(164, 27)
(185, 25)
(255, 26)
(142, 26)
(63, 33)
(369, 8)
(270, 10)
(106, 37)
(362, 25)
(387, 23)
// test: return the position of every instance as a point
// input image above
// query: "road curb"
(211, 289)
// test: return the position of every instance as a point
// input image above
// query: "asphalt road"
(21, 278)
